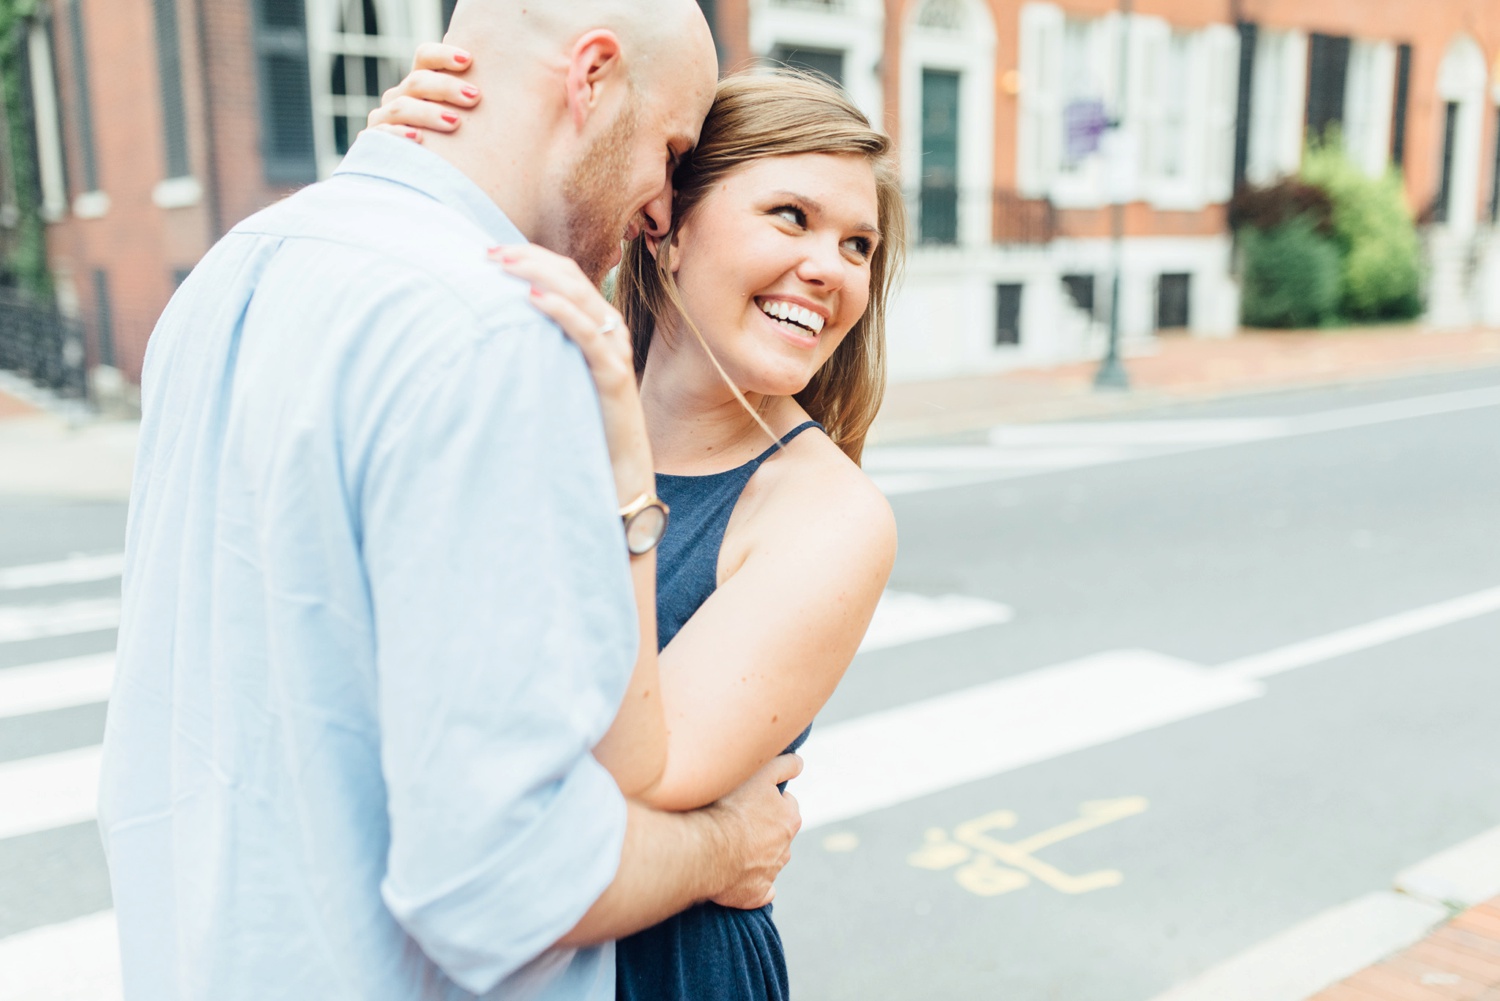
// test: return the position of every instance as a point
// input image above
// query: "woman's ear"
(653, 244)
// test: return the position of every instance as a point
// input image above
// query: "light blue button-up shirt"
(377, 613)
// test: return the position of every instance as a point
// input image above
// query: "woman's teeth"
(789, 313)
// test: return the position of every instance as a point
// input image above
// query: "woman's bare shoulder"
(818, 489)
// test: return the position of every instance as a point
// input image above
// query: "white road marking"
(1371, 634)
(61, 684)
(908, 618)
(909, 751)
(74, 570)
(67, 618)
(55, 790)
(1465, 875)
(900, 754)
(1310, 956)
(1345, 939)
(75, 961)
(1016, 451)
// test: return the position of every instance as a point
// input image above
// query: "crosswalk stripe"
(1035, 449)
(78, 960)
(897, 755)
(54, 790)
(908, 618)
(900, 754)
(67, 618)
(60, 684)
(74, 570)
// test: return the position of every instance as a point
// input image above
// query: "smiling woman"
(785, 163)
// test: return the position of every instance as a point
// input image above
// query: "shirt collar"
(402, 161)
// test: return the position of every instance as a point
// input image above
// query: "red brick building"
(160, 123)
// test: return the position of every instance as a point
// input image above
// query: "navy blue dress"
(707, 953)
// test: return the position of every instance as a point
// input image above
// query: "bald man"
(378, 609)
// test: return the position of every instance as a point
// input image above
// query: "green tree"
(28, 258)
(1379, 251)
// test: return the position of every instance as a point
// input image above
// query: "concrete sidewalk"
(1180, 369)
(1459, 961)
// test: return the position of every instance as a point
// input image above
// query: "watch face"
(645, 528)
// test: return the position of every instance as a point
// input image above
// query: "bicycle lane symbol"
(989, 867)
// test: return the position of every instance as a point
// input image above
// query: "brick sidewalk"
(1181, 368)
(1460, 961)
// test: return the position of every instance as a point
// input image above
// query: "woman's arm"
(752, 667)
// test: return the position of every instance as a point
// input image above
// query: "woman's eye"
(791, 214)
(860, 246)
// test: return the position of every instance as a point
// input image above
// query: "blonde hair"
(764, 114)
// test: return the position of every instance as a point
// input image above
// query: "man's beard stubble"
(595, 224)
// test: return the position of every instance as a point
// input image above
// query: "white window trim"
(1184, 192)
(972, 56)
(1278, 106)
(1371, 88)
(857, 29)
(403, 23)
(1088, 187)
(1463, 77)
(177, 193)
(49, 147)
(91, 205)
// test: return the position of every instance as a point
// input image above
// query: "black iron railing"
(39, 343)
(1013, 220)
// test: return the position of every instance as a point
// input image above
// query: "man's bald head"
(659, 37)
(589, 105)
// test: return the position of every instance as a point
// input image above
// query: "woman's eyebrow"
(816, 207)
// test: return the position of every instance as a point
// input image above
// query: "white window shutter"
(1039, 138)
(1291, 116)
(1149, 38)
(1222, 46)
(1381, 107)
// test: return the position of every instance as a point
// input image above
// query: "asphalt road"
(1176, 544)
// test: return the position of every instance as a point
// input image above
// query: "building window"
(169, 76)
(104, 318)
(1368, 98)
(1445, 179)
(361, 48)
(1278, 106)
(83, 104)
(1084, 59)
(1081, 290)
(1327, 83)
(1173, 293)
(1495, 174)
(1008, 314)
(938, 213)
(287, 146)
(827, 62)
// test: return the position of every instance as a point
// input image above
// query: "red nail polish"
(471, 92)
(450, 118)
(536, 293)
(411, 134)
(462, 58)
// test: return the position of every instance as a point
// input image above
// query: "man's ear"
(595, 60)
(653, 244)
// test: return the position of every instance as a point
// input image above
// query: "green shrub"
(1380, 253)
(1291, 275)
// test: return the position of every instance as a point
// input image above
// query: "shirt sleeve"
(506, 635)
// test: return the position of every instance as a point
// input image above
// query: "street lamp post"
(1112, 374)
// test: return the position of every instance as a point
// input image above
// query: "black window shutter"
(169, 63)
(1403, 98)
(286, 116)
(83, 105)
(1248, 36)
(448, 6)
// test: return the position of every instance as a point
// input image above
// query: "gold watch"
(645, 521)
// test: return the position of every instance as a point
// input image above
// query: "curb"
(1344, 940)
